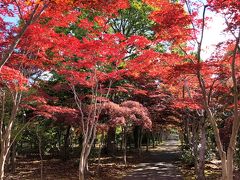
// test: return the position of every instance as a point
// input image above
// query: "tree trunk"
(124, 146)
(225, 176)
(5, 147)
(99, 152)
(147, 142)
(2, 163)
(230, 169)
(221, 152)
(137, 135)
(140, 141)
(83, 163)
(82, 166)
(7, 162)
(5, 144)
(40, 153)
(13, 157)
(160, 137)
(202, 151)
(59, 135)
(153, 139)
(194, 143)
(111, 134)
(87, 143)
(82, 160)
(186, 133)
(66, 144)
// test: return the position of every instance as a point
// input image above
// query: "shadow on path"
(161, 164)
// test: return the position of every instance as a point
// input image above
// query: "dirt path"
(160, 165)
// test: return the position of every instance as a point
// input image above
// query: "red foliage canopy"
(127, 113)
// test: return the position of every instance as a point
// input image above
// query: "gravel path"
(161, 164)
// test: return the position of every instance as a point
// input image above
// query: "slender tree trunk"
(225, 175)
(2, 162)
(147, 142)
(153, 139)
(82, 165)
(195, 145)
(135, 137)
(230, 169)
(140, 140)
(82, 161)
(7, 162)
(124, 146)
(6, 136)
(221, 152)
(40, 153)
(88, 140)
(66, 144)
(160, 137)
(58, 145)
(111, 134)
(212, 120)
(99, 152)
(202, 151)
(5, 149)
(13, 157)
(121, 144)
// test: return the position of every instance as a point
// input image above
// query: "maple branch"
(210, 91)
(200, 78)
(33, 17)
(109, 88)
(8, 53)
(200, 113)
(190, 12)
(107, 94)
(184, 51)
(2, 117)
(79, 105)
(188, 90)
(226, 21)
(19, 10)
(93, 101)
(202, 32)
(236, 38)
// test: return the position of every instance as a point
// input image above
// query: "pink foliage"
(128, 112)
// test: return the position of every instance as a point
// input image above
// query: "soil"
(162, 162)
